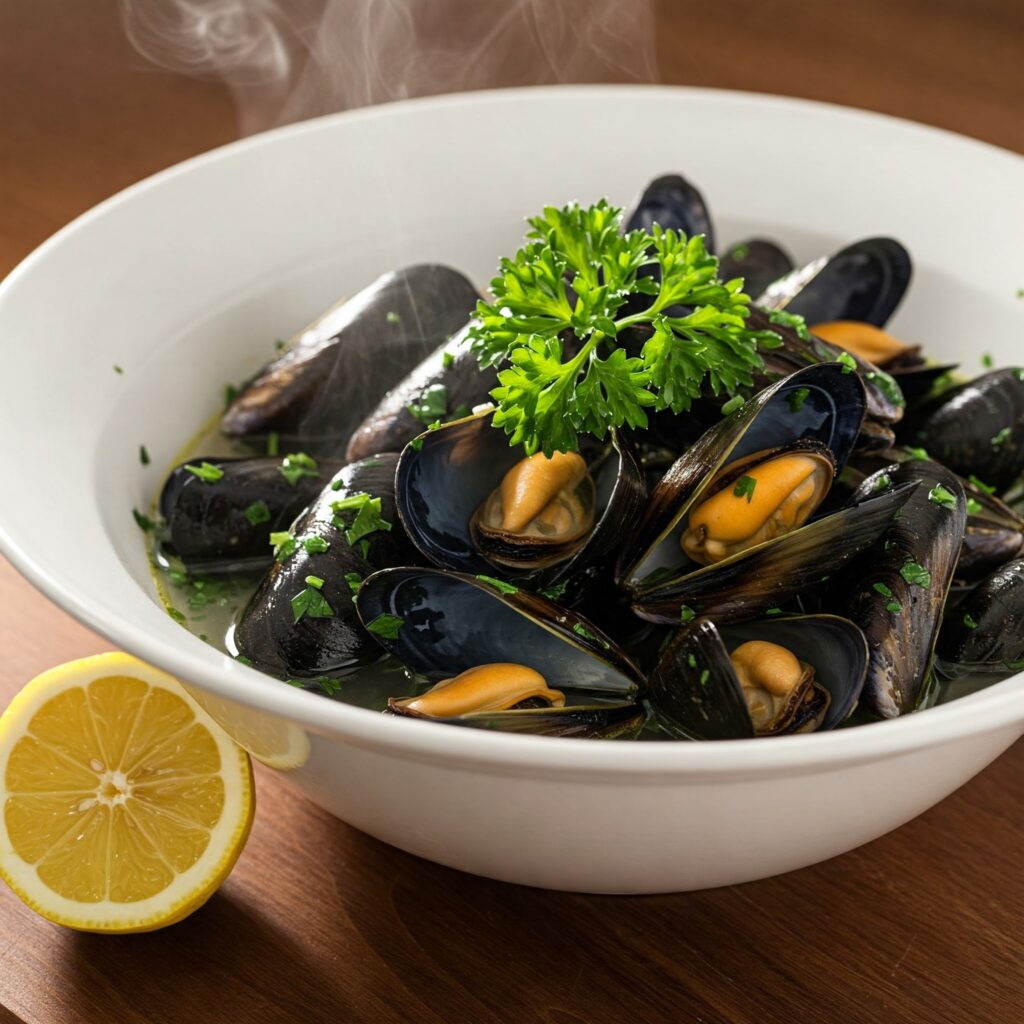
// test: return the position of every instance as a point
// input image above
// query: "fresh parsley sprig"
(560, 307)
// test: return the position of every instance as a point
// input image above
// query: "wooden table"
(319, 922)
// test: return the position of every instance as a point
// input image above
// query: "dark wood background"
(319, 922)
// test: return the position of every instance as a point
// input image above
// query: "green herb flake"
(739, 253)
(987, 361)
(206, 472)
(916, 574)
(918, 453)
(797, 397)
(938, 495)
(887, 385)
(848, 363)
(745, 487)
(691, 660)
(386, 626)
(793, 321)
(894, 606)
(883, 481)
(392, 317)
(243, 660)
(432, 404)
(177, 615)
(329, 684)
(705, 676)
(981, 485)
(686, 614)
(416, 444)
(732, 405)
(143, 522)
(229, 393)
(1019, 374)
(284, 544)
(460, 413)
(364, 548)
(505, 588)
(773, 611)
(882, 589)
(1001, 438)
(354, 581)
(280, 344)
(258, 513)
(580, 630)
(447, 360)
(296, 466)
(273, 444)
(118, 369)
(315, 545)
(309, 601)
(315, 581)
(368, 520)
(555, 592)
(143, 455)
(1020, 293)
(974, 507)
(969, 622)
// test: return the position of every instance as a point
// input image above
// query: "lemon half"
(124, 805)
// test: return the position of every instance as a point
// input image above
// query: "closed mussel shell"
(450, 374)
(445, 477)
(898, 593)
(333, 373)
(445, 623)
(986, 629)
(674, 204)
(977, 427)
(270, 632)
(819, 407)
(758, 261)
(695, 693)
(225, 525)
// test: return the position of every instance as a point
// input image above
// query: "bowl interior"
(185, 281)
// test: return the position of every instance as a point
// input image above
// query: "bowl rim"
(998, 706)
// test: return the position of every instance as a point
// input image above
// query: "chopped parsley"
(258, 513)
(691, 660)
(354, 581)
(733, 404)
(416, 444)
(987, 361)
(887, 385)
(206, 472)
(773, 611)
(1001, 438)
(555, 592)
(118, 369)
(392, 317)
(243, 660)
(739, 253)
(505, 588)
(143, 455)
(309, 601)
(705, 676)
(279, 344)
(284, 544)
(882, 589)
(916, 574)
(797, 397)
(848, 363)
(230, 393)
(143, 522)
(918, 453)
(969, 622)
(974, 507)
(883, 481)
(296, 466)
(447, 360)
(431, 405)
(178, 616)
(894, 606)
(745, 487)
(686, 614)
(386, 626)
(580, 630)
(273, 444)
(938, 495)
(315, 545)
(793, 321)
(981, 485)
(368, 518)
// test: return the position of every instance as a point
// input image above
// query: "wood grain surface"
(319, 922)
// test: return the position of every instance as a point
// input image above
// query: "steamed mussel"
(718, 520)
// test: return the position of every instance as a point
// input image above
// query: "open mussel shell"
(267, 632)
(819, 408)
(758, 261)
(864, 281)
(897, 594)
(451, 370)
(584, 721)
(334, 372)
(977, 427)
(225, 526)
(450, 622)
(695, 694)
(674, 204)
(986, 629)
(442, 482)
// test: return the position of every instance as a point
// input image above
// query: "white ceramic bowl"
(184, 279)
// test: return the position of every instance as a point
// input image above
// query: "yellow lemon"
(123, 805)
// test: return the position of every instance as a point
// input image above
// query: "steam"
(285, 60)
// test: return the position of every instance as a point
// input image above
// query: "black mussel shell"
(817, 405)
(391, 425)
(695, 694)
(267, 633)
(334, 373)
(449, 622)
(442, 482)
(976, 428)
(221, 526)
(898, 592)
(986, 629)
(758, 261)
(864, 281)
(673, 203)
(583, 721)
